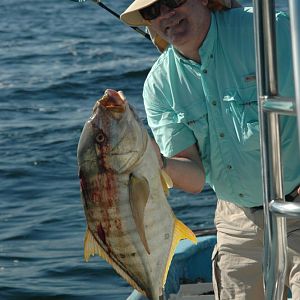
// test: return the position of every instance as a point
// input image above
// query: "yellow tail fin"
(181, 232)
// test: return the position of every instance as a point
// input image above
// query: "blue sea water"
(56, 58)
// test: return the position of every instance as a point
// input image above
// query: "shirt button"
(214, 103)
(204, 71)
(222, 134)
(241, 195)
(229, 167)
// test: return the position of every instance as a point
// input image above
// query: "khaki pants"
(237, 257)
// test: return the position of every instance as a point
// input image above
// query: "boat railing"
(271, 107)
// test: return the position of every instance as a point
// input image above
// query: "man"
(201, 103)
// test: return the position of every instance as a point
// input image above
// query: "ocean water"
(56, 59)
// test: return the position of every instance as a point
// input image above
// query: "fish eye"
(100, 137)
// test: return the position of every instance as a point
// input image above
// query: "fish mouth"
(113, 101)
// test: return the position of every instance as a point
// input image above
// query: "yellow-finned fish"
(129, 221)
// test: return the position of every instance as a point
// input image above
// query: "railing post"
(275, 227)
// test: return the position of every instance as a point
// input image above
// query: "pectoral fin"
(180, 232)
(138, 197)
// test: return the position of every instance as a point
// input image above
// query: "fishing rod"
(143, 33)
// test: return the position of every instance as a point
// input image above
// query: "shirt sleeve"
(170, 133)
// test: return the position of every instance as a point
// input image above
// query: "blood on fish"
(118, 224)
(101, 233)
(84, 189)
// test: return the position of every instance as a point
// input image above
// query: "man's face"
(184, 26)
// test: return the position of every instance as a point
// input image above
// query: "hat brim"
(132, 16)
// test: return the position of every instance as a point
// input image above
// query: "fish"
(124, 192)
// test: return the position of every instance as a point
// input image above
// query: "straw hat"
(132, 16)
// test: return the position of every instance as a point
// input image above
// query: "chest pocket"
(241, 108)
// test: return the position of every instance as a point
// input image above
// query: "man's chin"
(178, 41)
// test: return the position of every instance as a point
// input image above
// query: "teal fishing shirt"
(214, 105)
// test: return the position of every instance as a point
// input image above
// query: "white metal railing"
(271, 105)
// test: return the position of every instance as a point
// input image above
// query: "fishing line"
(140, 31)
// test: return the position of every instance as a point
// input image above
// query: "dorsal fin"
(166, 181)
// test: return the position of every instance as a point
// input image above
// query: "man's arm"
(185, 169)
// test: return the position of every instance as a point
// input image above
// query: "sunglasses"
(153, 11)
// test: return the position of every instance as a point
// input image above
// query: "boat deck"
(199, 291)
(189, 276)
